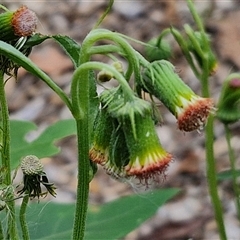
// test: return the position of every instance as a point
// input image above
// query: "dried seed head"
(31, 165)
(24, 22)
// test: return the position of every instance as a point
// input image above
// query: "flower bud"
(99, 151)
(147, 158)
(104, 76)
(190, 110)
(228, 110)
(157, 51)
(198, 38)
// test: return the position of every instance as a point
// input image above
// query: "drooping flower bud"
(103, 128)
(21, 23)
(191, 110)
(228, 109)
(147, 157)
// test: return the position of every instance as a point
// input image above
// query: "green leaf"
(34, 40)
(44, 145)
(228, 174)
(112, 220)
(71, 47)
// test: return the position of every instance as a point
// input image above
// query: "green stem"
(233, 169)
(80, 100)
(78, 112)
(212, 179)
(128, 51)
(199, 23)
(6, 162)
(210, 164)
(22, 217)
(104, 14)
(183, 45)
(1, 231)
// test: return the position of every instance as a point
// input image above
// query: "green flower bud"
(197, 38)
(103, 128)
(120, 108)
(157, 51)
(147, 157)
(20, 23)
(104, 76)
(118, 66)
(228, 109)
(191, 111)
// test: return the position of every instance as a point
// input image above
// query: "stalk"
(233, 169)
(22, 217)
(6, 160)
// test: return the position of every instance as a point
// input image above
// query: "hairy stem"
(22, 218)
(212, 179)
(6, 160)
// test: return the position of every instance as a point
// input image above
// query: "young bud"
(157, 51)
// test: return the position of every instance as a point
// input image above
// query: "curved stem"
(78, 112)
(80, 100)
(22, 217)
(6, 160)
(233, 169)
(129, 52)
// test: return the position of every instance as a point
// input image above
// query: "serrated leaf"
(71, 48)
(112, 220)
(44, 145)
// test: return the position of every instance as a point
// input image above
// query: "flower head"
(191, 111)
(192, 114)
(21, 23)
(228, 108)
(147, 158)
(33, 176)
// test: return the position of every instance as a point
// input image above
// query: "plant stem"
(1, 231)
(233, 169)
(6, 162)
(212, 179)
(210, 164)
(80, 93)
(22, 217)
